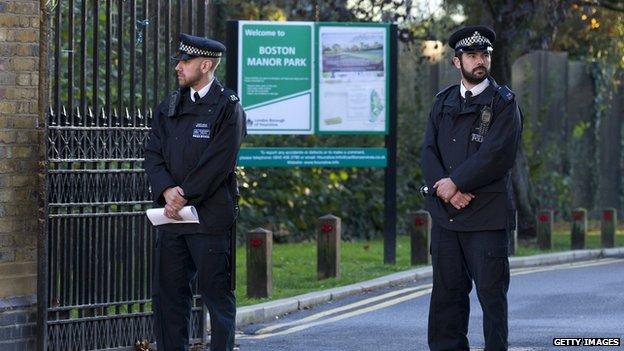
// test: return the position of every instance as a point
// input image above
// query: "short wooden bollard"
(328, 247)
(544, 229)
(579, 229)
(420, 237)
(259, 263)
(513, 236)
(608, 227)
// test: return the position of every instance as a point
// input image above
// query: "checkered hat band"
(475, 39)
(191, 50)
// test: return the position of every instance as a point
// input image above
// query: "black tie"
(196, 96)
(468, 95)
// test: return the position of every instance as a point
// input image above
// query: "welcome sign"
(307, 77)
(275, 76)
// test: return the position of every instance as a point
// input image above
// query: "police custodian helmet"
(472, 39)
(192, 46)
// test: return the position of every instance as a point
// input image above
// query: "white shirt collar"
(476, 90)
(202, 92)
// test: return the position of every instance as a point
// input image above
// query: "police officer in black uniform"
(190, 160)
(470, 145)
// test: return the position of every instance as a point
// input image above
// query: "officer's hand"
(175, 198)
(172, 213)
(445, 189)
(461, 200)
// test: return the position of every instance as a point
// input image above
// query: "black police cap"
(473, 38)
(192, 46)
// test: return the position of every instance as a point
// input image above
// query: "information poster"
(352, 78)
(312, 157)
(275, 76)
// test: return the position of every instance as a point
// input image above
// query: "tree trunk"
(610, 151)
(582, 143)
(524, 198)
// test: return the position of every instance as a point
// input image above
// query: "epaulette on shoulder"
(505, 92)
(446, 90)
(172, 104)
(230, 95)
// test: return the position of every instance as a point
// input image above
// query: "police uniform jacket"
(478, 163)
(195, 146)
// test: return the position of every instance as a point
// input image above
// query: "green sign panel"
(352, 78)
(317, 157)
(307, 77)
(275, 76)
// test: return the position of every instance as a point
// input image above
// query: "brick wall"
(19, 156)
(18, 321)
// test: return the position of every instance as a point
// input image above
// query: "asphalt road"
(584, 299)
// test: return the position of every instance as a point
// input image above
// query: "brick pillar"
(19, 158)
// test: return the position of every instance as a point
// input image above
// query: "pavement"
(569, 300)
(271, 310)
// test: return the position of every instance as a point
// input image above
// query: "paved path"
(583, 299)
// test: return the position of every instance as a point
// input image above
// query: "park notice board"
(319, 78)
(352, 78)
(307, 77)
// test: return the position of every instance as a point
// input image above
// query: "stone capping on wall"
(17, 278)
(18, 323)
(15, 302)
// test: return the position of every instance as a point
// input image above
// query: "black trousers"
(178, 259)
(458, 259)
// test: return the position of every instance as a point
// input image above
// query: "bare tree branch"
(491, 8)
(607, 4)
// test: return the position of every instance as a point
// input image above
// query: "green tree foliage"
(589, 31)
(288, 200)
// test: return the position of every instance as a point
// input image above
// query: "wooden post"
(328, 247)
(579, 229)
(608, 227)
(544, 229)
(420, 237)
(259, 263)
(513, 236)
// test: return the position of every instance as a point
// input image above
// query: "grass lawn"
(294, 265)
(561, 242)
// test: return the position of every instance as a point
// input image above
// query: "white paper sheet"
(157, 216)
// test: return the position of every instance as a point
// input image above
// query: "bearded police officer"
(470, 145)
(190, 160)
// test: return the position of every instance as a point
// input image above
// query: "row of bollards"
(260, 244)
(260, 247)
(578, 233)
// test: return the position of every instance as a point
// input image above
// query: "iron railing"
(110, 67)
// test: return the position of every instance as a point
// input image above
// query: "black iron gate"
(110, 66)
